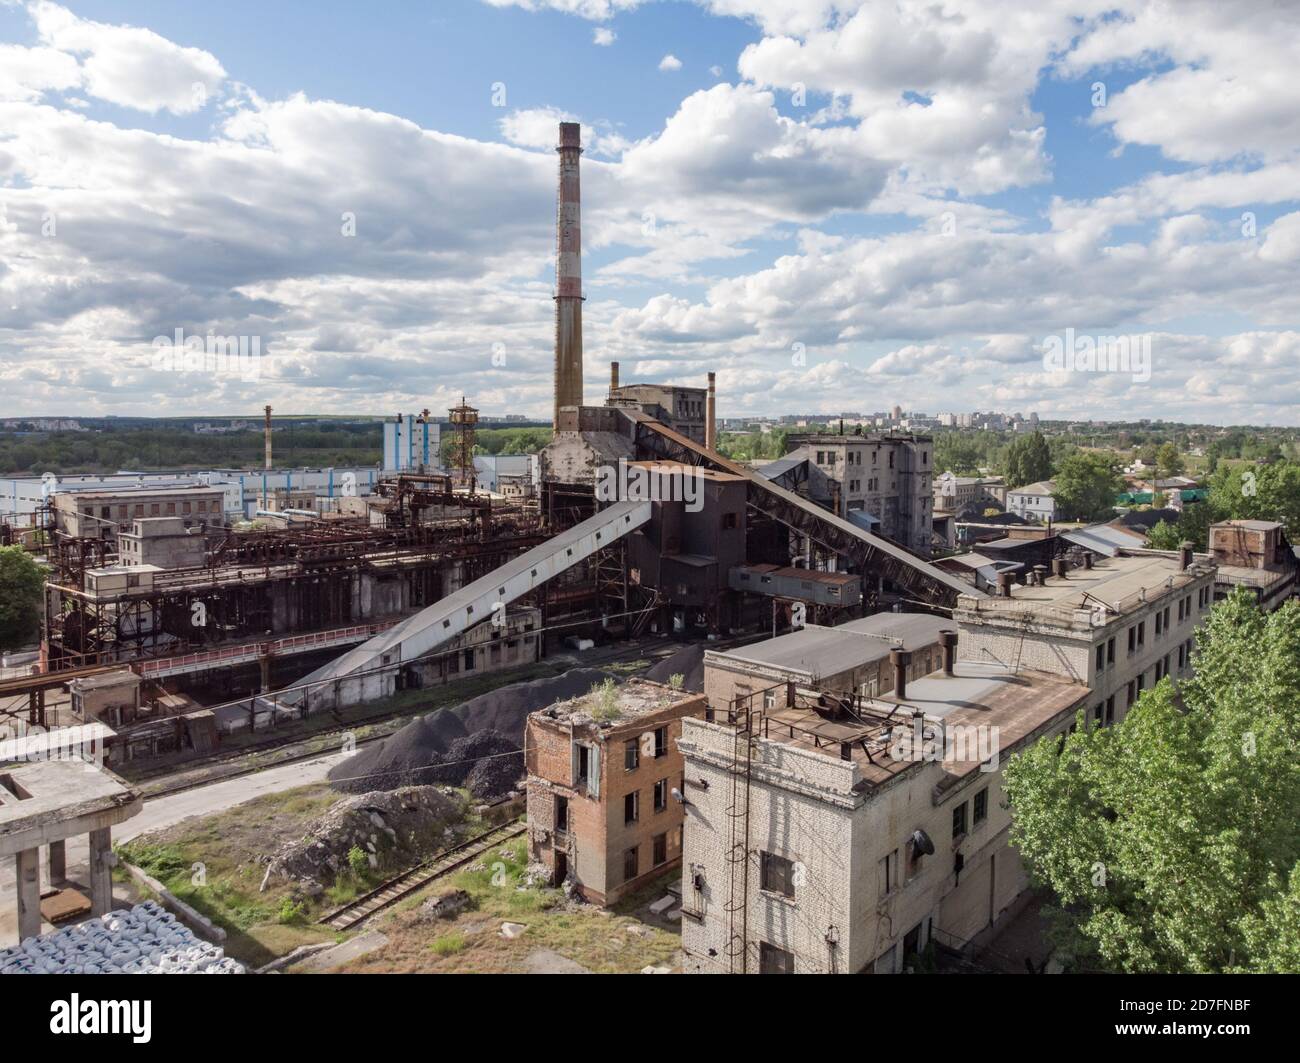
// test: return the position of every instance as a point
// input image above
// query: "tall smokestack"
(568, 274)
(613, 378)
(711, 417)
(266, 432)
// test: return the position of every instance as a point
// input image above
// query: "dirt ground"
(560, 936)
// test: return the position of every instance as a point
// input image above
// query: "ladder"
(742, 761)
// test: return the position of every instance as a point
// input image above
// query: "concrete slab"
(341, 953)
(548, 961)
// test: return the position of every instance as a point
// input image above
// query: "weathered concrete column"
(28, 869)
(101, 871)
(58, 862)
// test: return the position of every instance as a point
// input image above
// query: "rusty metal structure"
(464, 426)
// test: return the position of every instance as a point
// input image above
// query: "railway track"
(389, 893)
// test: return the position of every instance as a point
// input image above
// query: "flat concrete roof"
(978, 694)
(1116, 581)
(50, 800)
(817, 652)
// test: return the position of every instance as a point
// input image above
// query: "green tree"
(1164, 536)
(956, 453)
(1029, 460)
(1086, 486)
(1169, 839)
(21, 586)
(1169, 462)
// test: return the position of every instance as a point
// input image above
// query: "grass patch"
(598, 940)
(214, 864)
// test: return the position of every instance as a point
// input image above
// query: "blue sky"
(915, 195)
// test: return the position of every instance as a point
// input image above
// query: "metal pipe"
(948, 640)
(900, 659)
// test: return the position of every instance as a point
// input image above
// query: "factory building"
(104, 514)
(602, 771)
(881, 483)
(1117, 624)
(853, 658)
(840, 833)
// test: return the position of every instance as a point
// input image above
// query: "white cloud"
(130, 66)
(604, 36)
(670, 62)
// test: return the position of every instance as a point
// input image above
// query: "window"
(630, 864)
(769, 699)
(660, 847)
(1159, 618)
(1096, 713)
(889, 873)
(187, 507)
(981, 806)
(731, 520)
(631, 755)
(959, 820)
(1132, 640)
(1101, 658)
(1110, 651)
(469, 660)
(631, 807)
(772, 960)
(661, 795)
(1110, 710)
(1142, 634)
(661, 742)
(777, 874)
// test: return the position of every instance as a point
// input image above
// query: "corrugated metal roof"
(1102, 539)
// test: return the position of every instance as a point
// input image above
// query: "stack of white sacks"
(143, 940)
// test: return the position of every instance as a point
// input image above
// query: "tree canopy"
(21, 586)
(1086, 486)
(1170, 839)
(1029, 460)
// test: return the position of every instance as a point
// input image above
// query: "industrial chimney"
(613, 378)
(710, 417)
(568, 274)
(266, 432)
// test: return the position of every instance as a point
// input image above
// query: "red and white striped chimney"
(568, 274)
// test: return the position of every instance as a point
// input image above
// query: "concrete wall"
(803, 807)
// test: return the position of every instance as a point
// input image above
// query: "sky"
(836, 206)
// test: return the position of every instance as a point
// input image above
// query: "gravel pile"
(428, 750)
(687, 662)
(393, 828)
(145, 939)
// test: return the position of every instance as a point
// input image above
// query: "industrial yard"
(456, 585)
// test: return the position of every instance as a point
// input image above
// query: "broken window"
(981, 806)
(630, 864)
(660, 849)
(661, 795)
(661, 742)
(631, 755)
(777, 874)
(772, 960)
(631, 807)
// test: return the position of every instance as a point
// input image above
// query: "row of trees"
(1169, 840)
(1256, 492)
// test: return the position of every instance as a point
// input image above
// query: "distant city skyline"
(1090, 210)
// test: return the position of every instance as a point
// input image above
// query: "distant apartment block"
(957, 493)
